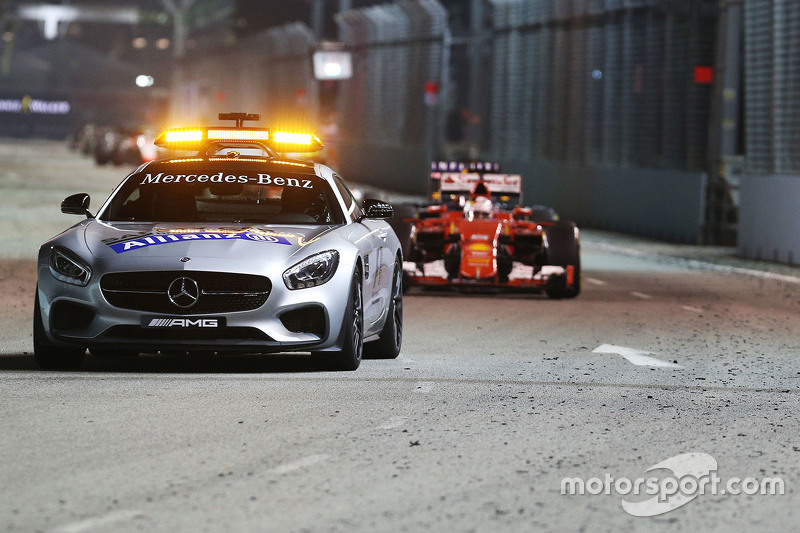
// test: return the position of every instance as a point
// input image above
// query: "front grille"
(220, 292)
(179, 334)
(305, 320)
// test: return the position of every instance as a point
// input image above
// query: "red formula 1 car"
(476, 233)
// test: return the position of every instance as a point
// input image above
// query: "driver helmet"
(480, 207)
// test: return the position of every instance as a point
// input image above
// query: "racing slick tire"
(542, 213)
(48, 356)
(352, 350)
(452, 260)
(391, 338)
(402, 228)
(563, 249)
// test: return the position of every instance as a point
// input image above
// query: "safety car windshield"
(251, 197)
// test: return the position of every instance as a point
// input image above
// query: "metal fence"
(771, 184)
(772, 41)
(269, 73)
(601, 82)
(388, 129)
(592, 82)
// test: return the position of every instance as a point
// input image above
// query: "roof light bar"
(285, 137)
(201, 138)
(238, 135)
(184, 135)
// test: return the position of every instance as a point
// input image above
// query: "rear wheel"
(391, 338)
(349, 356)
(563, 249)
(48, 356)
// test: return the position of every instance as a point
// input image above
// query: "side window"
(350, 202)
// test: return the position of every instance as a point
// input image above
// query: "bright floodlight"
(144, 81)
(332, 65)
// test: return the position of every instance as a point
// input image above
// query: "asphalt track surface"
(494, 401)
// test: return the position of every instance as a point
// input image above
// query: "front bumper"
(290, 320)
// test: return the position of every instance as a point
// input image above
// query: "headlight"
(68, 267)
(313, 271)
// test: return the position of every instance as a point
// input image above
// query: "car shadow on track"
(178, 364)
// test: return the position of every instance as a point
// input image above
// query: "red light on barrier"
(703, 75)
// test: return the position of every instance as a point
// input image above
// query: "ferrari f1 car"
(234, 249)
(476, 233)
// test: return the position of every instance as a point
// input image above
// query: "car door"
(372, 239)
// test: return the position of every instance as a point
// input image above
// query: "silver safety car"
(233, 249)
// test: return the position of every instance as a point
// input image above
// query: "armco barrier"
(769, 218)
(662, 204)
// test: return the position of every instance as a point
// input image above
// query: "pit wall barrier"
(660, 204)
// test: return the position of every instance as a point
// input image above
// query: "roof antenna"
(239, 117)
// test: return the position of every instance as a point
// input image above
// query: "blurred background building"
(669, 118)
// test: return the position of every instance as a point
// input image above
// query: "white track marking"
(696, 263)
(692, 309)
(595, 281)
(637, 357)
(641, 295)
(299, 464)
(394, 422)
(104, 521)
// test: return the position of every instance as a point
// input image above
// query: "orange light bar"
(238, 135)
(200, 138)
(285, 137)
(184, 135)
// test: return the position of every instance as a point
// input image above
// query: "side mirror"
(377, 209)
(77, 204)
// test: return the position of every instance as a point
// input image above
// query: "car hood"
(120, 240)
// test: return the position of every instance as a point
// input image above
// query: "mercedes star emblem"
(183, 292)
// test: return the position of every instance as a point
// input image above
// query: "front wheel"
(48, 356)
(391, 338)
(564, 250)
(349, 356)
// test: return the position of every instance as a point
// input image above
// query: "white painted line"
(424, 386)
(406, 360)
(692, 309)
(98, 522)
(598, 282)
(637, 357)
(696, 263)
(305, 462)
(641, 295)
(394, 422)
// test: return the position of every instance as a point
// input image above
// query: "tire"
(391, 337)
(563, 249)
(452, 261)
(402, 228)
(48, 356)
(542, 213)
(352, 350)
